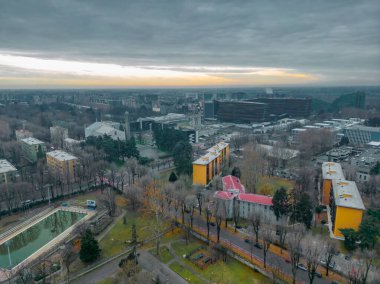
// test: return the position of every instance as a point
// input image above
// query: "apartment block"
(7, 172)
(33, 149)
(209, 165)
(62, 163)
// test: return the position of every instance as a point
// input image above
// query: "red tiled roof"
(255, 198)
(232, 183)
(223, 195)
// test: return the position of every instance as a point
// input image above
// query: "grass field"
(269, 185)
(185, 273)
(230, 272)
(115, 240)
(165, 255)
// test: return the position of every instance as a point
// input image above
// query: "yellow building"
(62, 164)
(330, 171)
(346, 206)
(209, 165)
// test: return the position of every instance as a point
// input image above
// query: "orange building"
(209, 165)
(330, 171)
(346, 207)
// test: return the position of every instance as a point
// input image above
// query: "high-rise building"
(208, 111)
(241, 112)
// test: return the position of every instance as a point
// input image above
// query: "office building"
(292, 107)
(62, 164)
(208, 111)
(209, 165)
(240, 111)
(33, 149)
(7, 172)
(101, 128)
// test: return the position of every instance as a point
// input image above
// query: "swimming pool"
(30, 240)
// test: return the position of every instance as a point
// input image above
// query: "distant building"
(23, 133)
(262, 109)
(57, 135)
(293, 107)
(70, 143)
(33, 149)
(240, 111)
(208, 111)
(360, 135)
(7, 172)
(210, 165)
(101, 128)
(62, 163)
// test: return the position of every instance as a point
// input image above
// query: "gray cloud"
(339, 40)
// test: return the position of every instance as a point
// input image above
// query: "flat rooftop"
(333, 171)
(32, 141)
(211, 154)
(346, 194)
(61, 155)
(6, 167)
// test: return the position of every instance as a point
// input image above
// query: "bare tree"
(252, 167)
(312, 251)
(108, 200)
(219, 214)
(68, 256)
(330, 248)
(190, 203)
(268, 238)
(256, 219)
(236, 212)
(295, 248)
(282, 230)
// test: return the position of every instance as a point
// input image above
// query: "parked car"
(302, 267)
(287, 260)
(212, 224)
(248, 241)
(257, 245)
(318, 274)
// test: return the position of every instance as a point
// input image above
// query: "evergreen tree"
(89, 248)
(350, 238)
(236, 172)
(280, 203)
(173, 177)
(182, 155)
(303, 210)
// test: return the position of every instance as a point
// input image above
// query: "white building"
(101, 128)
(7, 172)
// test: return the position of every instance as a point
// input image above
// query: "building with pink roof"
(249, 203)
(232, 184)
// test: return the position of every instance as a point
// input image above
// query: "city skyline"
(50, 44)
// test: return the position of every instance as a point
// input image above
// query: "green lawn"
(115, 241)
(165, 255)
(230, 272)
(108, 280)
(181, 248)
(185, 273)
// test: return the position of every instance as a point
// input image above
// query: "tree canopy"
(280, 203)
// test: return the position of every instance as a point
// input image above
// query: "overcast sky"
(55, 43)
